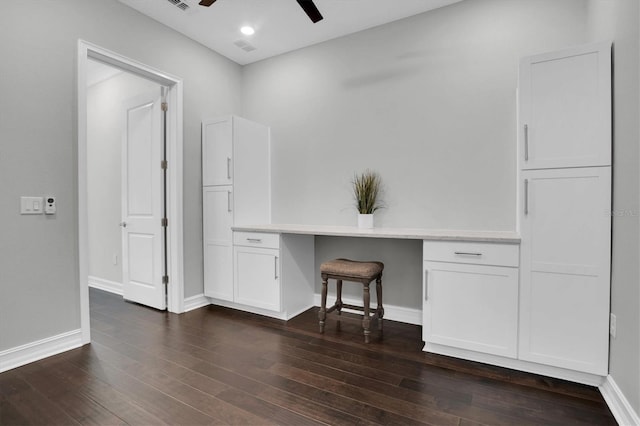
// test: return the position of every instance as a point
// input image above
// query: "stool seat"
(355, 271)
(352, 268)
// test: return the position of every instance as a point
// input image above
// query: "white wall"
(104, 155)
(39, 288)
(428, 101)
(619, 21)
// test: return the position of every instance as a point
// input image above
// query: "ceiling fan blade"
(310, 9)
(206, 3)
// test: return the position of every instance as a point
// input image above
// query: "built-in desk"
(282, 258)
(469, 287)
(399, 233)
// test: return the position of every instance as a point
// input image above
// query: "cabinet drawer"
(471, 252)
(256, 239)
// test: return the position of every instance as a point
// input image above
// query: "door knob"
(123, 224)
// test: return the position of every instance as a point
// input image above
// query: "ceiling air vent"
(179, 4)
(244, 45)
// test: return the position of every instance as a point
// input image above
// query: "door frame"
(175, 292)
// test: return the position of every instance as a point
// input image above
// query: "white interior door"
(142, 198)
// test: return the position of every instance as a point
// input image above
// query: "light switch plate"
(31, 205)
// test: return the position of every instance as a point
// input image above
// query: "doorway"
(167, 90)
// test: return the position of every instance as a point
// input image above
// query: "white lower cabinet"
(566, 244)
(470, 298)
(257, 280)
(273, 274)
(218, 243)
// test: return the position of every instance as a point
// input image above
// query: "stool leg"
(380, 310)
(322, 314)
(366, 321)
(339, 298)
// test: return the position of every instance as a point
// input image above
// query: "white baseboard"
(106, 285)
(516, 364)
(34, 351)
(391, 312)
(285, 316)
(618, 403)
(195, 302)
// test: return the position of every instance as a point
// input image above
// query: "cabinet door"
(565, 265)
(471, 307)
(257, 281)
(252, 172)
(217, 149)
(565, 108)
(218, 248)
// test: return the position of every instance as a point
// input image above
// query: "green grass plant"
(366, 191)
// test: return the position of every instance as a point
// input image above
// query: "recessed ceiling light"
(247, 30)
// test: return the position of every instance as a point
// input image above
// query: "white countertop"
(400, 233)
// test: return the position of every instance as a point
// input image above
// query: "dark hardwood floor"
(219, 366)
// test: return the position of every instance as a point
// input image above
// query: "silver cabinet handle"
(526, 197)
(228, 201)
(228, 167)
(275, 267)
(123, 224)
(526, 142)
(254, 240)
(467, 253)
(426, 288)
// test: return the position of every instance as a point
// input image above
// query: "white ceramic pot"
(365, 221)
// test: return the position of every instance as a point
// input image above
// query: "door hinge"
(165, 106)
(165, 279)
(164, 222)
(164, 164)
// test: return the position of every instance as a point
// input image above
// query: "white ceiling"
(281, 25)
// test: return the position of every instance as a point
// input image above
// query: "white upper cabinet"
(565, 108)
(251, 172)
(217, 151)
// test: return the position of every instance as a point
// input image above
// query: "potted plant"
(366, 191)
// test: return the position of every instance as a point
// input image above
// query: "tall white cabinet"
(564, 212)
(236, 180)
(264, 273)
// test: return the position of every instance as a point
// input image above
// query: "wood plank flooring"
(219, 366)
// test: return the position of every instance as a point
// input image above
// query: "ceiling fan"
(307, 5)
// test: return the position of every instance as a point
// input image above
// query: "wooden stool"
(351, 270)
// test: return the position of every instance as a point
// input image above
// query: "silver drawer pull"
(465, 253)
(526, 142)
(275, 267)
(254, 240)
(526, 197)
(426, 283)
